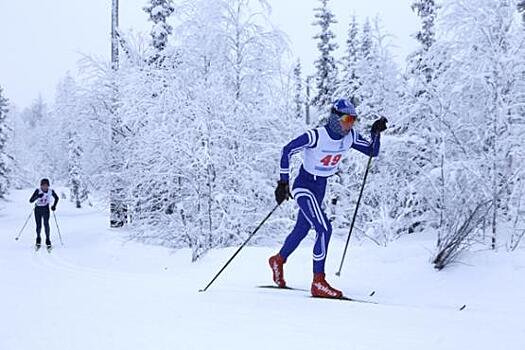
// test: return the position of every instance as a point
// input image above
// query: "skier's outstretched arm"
(34, 197)
(308, 139)
(364, 146)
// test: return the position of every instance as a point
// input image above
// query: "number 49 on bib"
(331, 160)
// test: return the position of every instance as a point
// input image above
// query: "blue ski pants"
(308, 191)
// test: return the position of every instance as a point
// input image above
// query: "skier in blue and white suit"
(322, 149)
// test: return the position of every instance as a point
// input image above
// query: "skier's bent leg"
(312, 212)
(299, 232)
(322, 240)
(323, 228)
(321, 288)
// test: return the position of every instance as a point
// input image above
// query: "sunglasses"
(347, 118)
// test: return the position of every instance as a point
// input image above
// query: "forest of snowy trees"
(184, 131)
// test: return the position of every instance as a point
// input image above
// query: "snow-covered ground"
(100, 291)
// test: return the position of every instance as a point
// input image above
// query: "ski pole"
(338, 273)
(58, 229)
(240, 248)
(23, 227)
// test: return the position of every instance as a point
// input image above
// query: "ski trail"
(100, 291)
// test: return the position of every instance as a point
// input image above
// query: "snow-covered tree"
(366, 46)
(4, 157)
(377, 73)
(73, 128)
(36, 113)
(349, 82)
(420, 110)
(247, 35)
(369, 71)
(487, 75)
(78, 191)
(326, 67)
(35, 153)
(187, 150)
(427, 11)
(521, 9)
(159, 11)
(375, 87)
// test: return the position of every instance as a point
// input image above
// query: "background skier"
(323, 149)
(42, 196)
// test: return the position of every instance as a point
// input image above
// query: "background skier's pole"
(338, 273)
(25, 223)
(58, 229)
(240, 248)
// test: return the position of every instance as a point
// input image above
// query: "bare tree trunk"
(210, 205)
(238, 55)
(494, 180)
(307, 104)
(443, 206)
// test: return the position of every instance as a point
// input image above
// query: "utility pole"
(117, 206)
(114, 34)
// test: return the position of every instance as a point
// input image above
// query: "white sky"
(42, 39)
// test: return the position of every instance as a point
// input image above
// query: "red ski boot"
(276, 264)
(321, 288)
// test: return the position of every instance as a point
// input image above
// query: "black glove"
(53, 208)
(282, 192)
(40, 195)
(379, 125)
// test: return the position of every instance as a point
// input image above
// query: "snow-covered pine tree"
(427, 11)
(326, 68)
(159, 11)
(380, 216)
(37, 117)
(521, 9)
(78, 192)
(71, 124)
(349, 82)
(366, 45)
(375, 71)
(299, 98)
(27, 145)
(4, 157)
(420, 124)
(339, 206)
(36, 113)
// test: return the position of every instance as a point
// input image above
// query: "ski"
(49, 248)
(343, 298)
(283, 288)
(37, 247)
